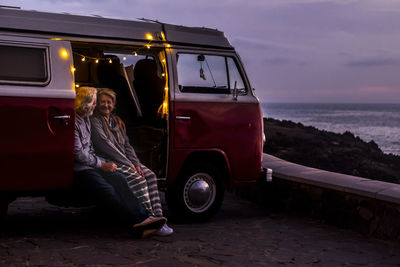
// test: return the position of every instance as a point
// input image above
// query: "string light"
(163, 36)
(64, 53)
(149, 36)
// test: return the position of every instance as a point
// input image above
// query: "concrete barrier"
(368, 206)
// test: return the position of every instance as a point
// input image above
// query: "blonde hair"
(107, 92)
(84, 97)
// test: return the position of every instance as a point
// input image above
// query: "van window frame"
(46, 49)
(209, 90)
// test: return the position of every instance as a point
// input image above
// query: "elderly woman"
(98, 178)
(111, 142)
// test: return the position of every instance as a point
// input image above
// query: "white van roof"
(105, 28)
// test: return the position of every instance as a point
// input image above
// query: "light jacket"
(84, 155)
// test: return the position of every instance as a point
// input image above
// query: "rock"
(342, 153)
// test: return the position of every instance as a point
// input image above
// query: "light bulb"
(64, 53)
(149, 36)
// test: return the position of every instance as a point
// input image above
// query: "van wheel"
(198, 193)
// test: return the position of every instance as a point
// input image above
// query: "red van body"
(205, 134)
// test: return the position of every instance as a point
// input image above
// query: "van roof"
(106, 28)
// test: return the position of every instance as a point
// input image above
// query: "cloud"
(378, 90)
(279, 61)
(374, 62)
(253, 43)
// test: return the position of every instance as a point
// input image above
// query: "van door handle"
(62, 117)
(183, 118)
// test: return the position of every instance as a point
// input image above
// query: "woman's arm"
(130, 151)
(83, 153)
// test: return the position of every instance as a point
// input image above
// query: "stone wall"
(370, 216)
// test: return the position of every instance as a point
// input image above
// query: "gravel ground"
(36, 233)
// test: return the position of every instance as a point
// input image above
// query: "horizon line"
(348, 103)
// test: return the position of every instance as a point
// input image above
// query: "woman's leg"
(138, 187)
(151, 179)
(109, 191)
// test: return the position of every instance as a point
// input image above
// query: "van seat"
(149, 87)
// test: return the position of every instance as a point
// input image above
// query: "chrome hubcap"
(199, 192)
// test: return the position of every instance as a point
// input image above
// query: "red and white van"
(183, 93)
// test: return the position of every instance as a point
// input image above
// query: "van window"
(23, 64)
(198, 73)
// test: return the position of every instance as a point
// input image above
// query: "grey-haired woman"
(111, 142)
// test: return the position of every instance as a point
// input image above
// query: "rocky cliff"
(342, 153)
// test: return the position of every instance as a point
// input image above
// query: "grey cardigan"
(84, 155)
(120, 154)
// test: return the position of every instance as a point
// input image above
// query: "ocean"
(378, 122)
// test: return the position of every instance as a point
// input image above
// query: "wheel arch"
(212, 156)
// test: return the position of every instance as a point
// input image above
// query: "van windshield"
(198, 73)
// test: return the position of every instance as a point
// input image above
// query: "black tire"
(197, 194)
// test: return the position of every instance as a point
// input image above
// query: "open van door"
(37, 114)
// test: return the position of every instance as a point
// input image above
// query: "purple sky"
(293, 50)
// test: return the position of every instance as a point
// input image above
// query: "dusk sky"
(293, 50)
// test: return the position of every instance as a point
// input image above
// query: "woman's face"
(105, 105)
(88, 111)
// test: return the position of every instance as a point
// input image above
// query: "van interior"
(138, 77)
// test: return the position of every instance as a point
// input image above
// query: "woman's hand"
(133, 167)
(108, 167)
(139, 170)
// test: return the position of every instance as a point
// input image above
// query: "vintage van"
(183, 94)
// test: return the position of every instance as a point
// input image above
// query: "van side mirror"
(235, 92)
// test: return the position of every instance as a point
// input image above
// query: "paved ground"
(242, 234)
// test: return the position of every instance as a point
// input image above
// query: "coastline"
(370, 121)
(342, 153)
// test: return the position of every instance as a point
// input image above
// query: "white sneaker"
(164, 231)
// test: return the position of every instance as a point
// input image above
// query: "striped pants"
(144, 188)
